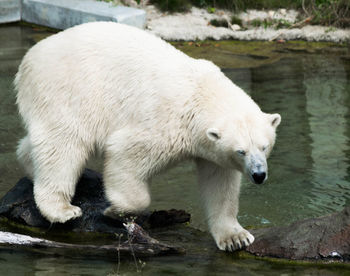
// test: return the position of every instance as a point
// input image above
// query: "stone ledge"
(62, 14)
(10, 11)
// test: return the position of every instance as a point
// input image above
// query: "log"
(138, 243)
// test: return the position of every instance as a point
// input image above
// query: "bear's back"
(121, 73)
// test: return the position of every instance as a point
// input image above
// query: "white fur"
(116, 89)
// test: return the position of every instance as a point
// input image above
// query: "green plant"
(281, 23)
(330, 29)
(211, 9)
(328, 12)
(130, 239)
(219, 23)
(256, 23)
(269, 23)
(236, 20)
(172, 5)
(140, 264)
(240, 5)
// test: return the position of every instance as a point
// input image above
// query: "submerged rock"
(18, 205)
(325, 237)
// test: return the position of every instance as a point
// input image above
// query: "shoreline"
(195, 25)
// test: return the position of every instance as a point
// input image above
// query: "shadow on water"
(308, 84)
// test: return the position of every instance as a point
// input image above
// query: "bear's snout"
(259, 177)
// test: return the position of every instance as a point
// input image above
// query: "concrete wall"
(62, 14)
(10, 11)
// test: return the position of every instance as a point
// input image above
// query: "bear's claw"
(236, 241)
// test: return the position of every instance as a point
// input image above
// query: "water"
(308, 84)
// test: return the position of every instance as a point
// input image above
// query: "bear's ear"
(213, 134)
(275, 119)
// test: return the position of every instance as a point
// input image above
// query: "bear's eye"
(265, 147)
(241, 152)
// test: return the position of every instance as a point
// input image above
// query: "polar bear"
(146, 105)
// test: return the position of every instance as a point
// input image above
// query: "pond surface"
(309, 170)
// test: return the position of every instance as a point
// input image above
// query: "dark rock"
(18, 205)
(165, 218)
(325, 237)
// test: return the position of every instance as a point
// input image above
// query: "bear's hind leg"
(24, 151)
(125, 187)
(58, 165)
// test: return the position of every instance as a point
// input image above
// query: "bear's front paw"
(61, 213)
(235, 240)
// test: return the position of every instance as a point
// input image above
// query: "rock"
(325, 237)
(10, 11)
(18, 205)
(235, 27)
(283, 11)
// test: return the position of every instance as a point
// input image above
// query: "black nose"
(259, 177)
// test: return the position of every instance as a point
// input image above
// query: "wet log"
(138, 243)
(326, 238)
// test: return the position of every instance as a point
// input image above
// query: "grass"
(329, 12)
(223, 22)
(236, 20)
(271, 23)
(322, 12)
(219, 23)
(172, 5)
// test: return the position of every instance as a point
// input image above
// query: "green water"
(309, 170)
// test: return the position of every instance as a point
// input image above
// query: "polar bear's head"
(244, 144)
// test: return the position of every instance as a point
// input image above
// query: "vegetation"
(323, 12)
(219, 23)
(173, 5)
(329, 12)
(271, 23)
(236, 20)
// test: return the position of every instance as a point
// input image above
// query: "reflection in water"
(14, 42)
(325, 84)
(308, 168)
(277, 88)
